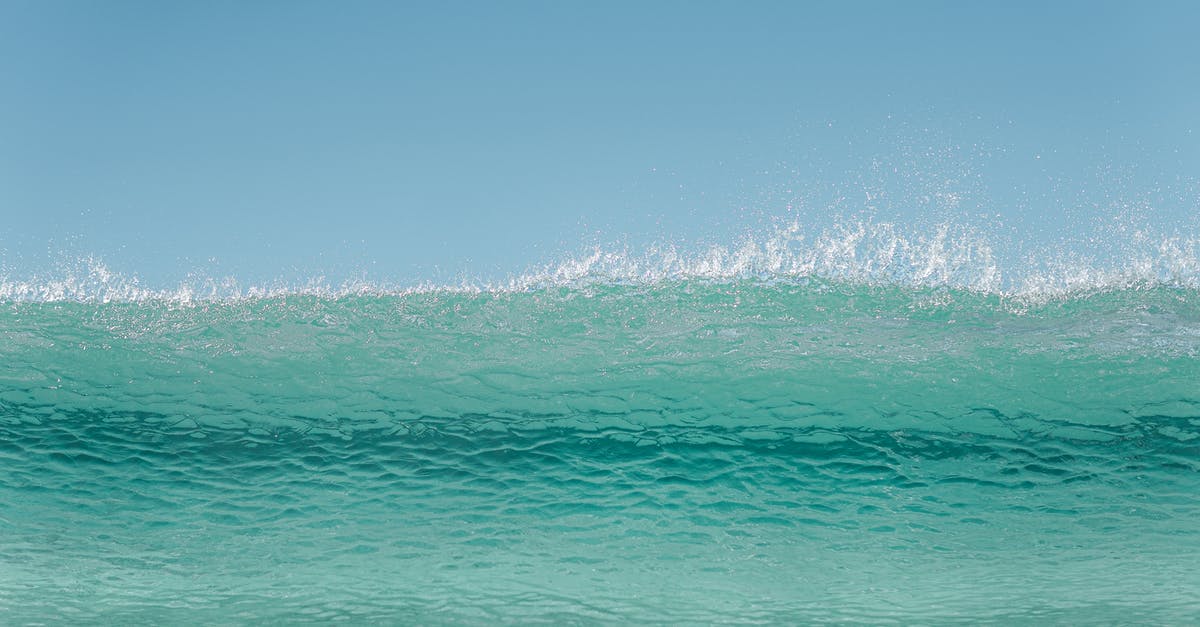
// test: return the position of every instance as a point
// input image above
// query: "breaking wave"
(864, 425)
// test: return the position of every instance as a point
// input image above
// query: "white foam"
(860, 252)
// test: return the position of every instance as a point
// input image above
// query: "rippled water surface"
(678, 451)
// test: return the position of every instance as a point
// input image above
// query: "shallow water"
(740, 450)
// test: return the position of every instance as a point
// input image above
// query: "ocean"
(898, 434)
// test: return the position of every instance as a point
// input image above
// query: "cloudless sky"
(413, 141)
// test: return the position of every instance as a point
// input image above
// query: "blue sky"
(410, 141)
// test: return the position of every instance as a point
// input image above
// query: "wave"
(777, 431)
(794, 330)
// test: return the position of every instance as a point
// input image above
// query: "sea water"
(760, 435)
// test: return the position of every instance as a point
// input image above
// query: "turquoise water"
(741, 449)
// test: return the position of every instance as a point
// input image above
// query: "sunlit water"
(771, 433)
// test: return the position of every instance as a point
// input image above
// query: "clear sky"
(413, 141)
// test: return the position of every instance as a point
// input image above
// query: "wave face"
(797, 449)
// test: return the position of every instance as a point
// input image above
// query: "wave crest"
(943, 256)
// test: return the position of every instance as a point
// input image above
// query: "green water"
(689, 451)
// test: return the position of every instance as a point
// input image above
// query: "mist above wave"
(944, 256)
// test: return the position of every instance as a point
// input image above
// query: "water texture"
(762, 447)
